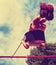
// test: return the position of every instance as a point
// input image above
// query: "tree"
(50, 49)
(31, 8)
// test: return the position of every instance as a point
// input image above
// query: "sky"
(15, 18)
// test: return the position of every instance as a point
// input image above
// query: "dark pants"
(35, 35)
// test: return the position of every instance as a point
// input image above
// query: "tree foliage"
(31, 8)
(50, 49)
